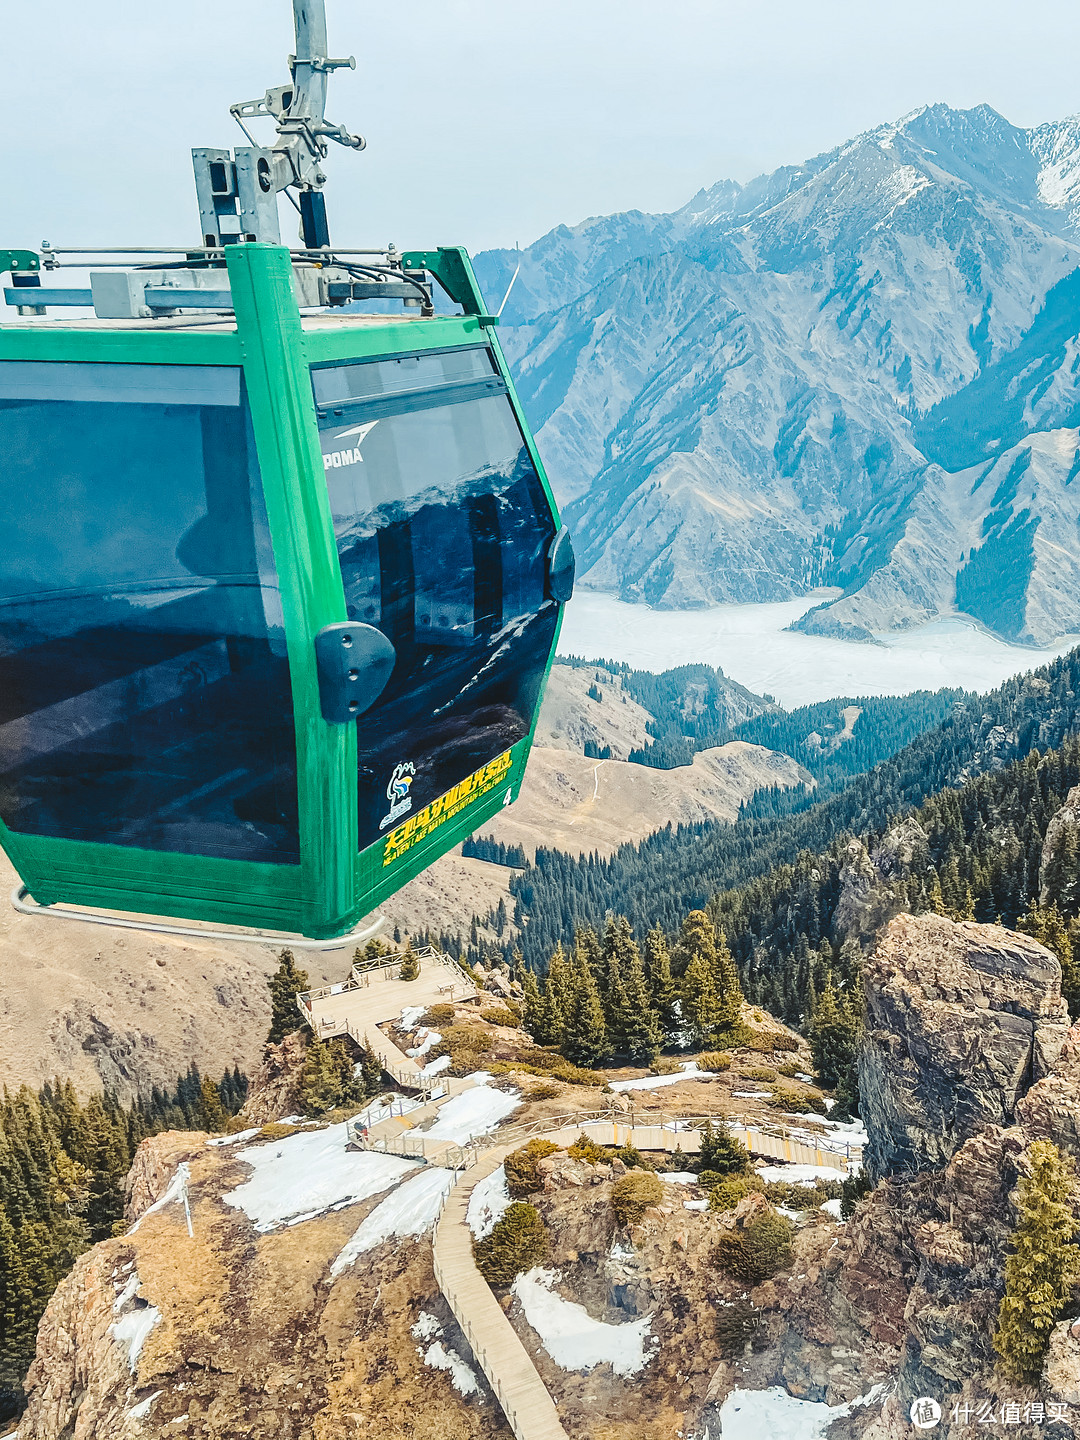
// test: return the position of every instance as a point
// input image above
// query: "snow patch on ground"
(832, 1207)
(799, 1174)
(573, 1339)
(426, 1040)
(411, 1209)
(750, 1414)
(140, 1411)
(488, 1203)
(695, 1204)
(132, 1331)
(177, 1191)
(411, 1016)
(127, 1293)
(441, 1357)
(236, 1139)
(426, 1326)
(462, 1375)
(752, 1094)
(751, 644)
(688, 1071)
(678, 1177)
(436, 1067)
(474, 1112)
(307, 1174)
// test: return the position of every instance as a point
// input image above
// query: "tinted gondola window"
(443, 531)
(144, 682)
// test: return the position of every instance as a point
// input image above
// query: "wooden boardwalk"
(526, 1403)
(405, 1136)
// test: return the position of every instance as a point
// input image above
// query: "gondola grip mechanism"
(354, 662)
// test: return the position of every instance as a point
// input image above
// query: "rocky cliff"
(961, 1020)
(967, 1059)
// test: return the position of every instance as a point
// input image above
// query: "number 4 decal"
(508, 797)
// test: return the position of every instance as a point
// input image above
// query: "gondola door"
(444, 534)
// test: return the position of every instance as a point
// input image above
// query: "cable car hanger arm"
(252, 180)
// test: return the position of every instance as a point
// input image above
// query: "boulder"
(1061, 1373)
(1051, 1108)
(563, 1172)
(961, 1020)
(154, 1167)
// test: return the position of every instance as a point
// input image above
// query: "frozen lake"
(750, 644)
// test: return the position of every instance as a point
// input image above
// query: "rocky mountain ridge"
(859, 371)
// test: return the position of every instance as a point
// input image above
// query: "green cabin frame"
(333, 887)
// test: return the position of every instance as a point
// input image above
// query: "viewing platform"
(374, 993)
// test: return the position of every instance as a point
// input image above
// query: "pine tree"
(410, 965)
(835, 1033)
(371, 1072)
(1047, 925)
(286, 983)
(700, 1002)
(728, 992)
(720, 1152)
(557, 992)
(642, 1033)
(587, 946)
(662, 988)
(213, 1116)
(328, 1080)
(375, 949)
(536, 1016)
(1043, 1266)
(632, 1026)
(584, 1037)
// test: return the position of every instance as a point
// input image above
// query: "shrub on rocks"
(502, 1015)
(803, 1197)
(633, 1193)
(714, 1061)
(756, 1251)
(725, 1191)
(518, 1242)
(738, 1324)
(588, 1150)
(522, 1167)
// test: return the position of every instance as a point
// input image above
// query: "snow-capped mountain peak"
(826, 374)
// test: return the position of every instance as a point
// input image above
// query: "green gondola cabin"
(280, 585)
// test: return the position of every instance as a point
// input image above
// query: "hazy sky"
(489, 121)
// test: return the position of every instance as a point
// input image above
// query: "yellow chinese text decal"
(420, 825)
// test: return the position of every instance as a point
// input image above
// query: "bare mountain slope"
(572, 803)
(570, 715)
(129, 1010)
